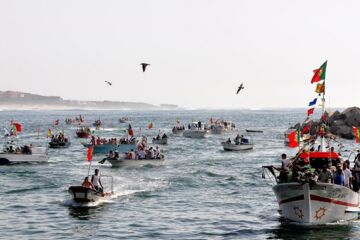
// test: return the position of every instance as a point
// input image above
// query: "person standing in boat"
(284, 169)
(348, 175)
(357, 168)
(96, 181)
(199, 125)
(339, 177)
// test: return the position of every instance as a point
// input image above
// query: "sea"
(201, 191)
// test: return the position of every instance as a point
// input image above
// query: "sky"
(200, 51)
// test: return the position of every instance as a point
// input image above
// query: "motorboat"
(178, 130)
(306, 189)
(56, 144)
(220, 126)
(237, 147)
(195, 130)
(82, 194)
(124, 120)
(104, 146)
(123, 162)
(253, 131)
(132, 159)
(59, 141)
(12, 154)
(97, 124)
(84, 132)
(162, 141)
(316, 202)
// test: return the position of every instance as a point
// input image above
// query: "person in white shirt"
(348, 175)
(96, 181)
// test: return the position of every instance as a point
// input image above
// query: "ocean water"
(201, 192)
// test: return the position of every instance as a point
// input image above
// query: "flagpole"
(89, 168)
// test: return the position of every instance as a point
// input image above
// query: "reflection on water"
(85, 213)
(288, 230)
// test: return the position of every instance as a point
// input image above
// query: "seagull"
(108, 83)
(144, 65)
(240, 87)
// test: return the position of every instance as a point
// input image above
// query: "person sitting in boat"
(86, 183)
(131, 155)
(151, 153)
(238, 139)
(228, 141)
(141, 154)
(116, 155)
(164, 136)
(110, 155)
(26, 150)
(157, 153)
(96, 181)
(11, 150)
(98, 141)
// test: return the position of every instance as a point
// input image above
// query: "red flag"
(131, 132)
(293, 139)
(319, 74)
(56, 122)
(305, 129)
(150, 126)
(310, 111)
(357, 133)
(90, 153)
(18, 127)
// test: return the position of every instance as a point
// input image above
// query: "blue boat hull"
(106, 148)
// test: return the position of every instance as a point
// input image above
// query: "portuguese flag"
(357, 133)
(294, 139)
(319, 74)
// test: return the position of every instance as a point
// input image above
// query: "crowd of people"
(18, 149)
(140, 154)
(325, 170)
(112, 141)
(59, 138)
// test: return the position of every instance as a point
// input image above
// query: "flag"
(305, 129)
(131, 132)
(310, 111)
(81, 119)
(324, 117)
(320, 88)
(49, 133)
(17, 126)
(357, 133)
(56, 122)
(313, 102)
(150, 126)
(319, 74)
(90, 153)
(294, 139)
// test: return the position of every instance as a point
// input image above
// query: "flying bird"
(108, 83)
(240, 88)
(144, 65)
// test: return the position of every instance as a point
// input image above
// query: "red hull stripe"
(297, 198)
(330, 200)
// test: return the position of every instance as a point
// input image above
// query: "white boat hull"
(135, 163)
(195, 133)
(234, 147)
(323, 203)
(12, 158)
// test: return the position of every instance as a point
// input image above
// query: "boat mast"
(323, 149)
